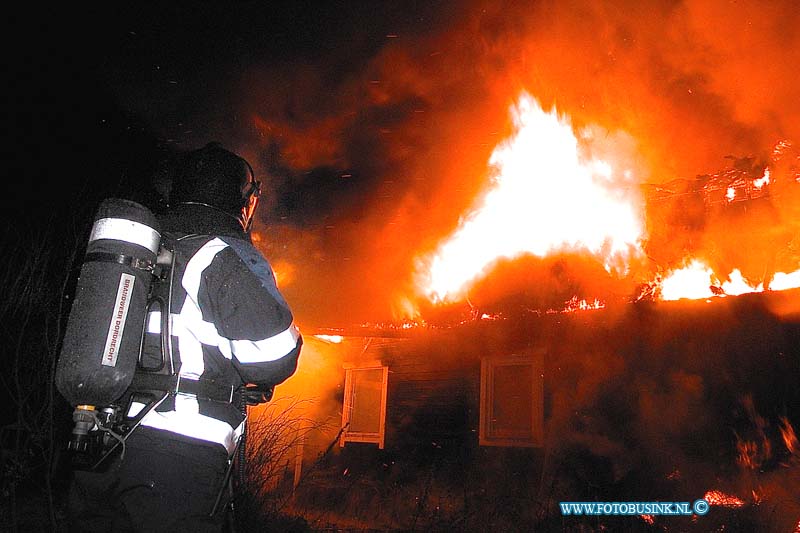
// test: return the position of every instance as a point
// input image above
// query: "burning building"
(591, 328)
(519, 220)
(491, 423)
(561, 347)
(579, 299)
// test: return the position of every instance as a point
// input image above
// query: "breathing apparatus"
(126, 274)
(126, 279)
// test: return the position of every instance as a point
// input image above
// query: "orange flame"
(696, 281)
(574, 304)
(782, 281)
(763, 180)
(753, 454)
(789, 436)
(544, 197)
(692, 281)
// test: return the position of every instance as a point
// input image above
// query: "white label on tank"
(117, 325)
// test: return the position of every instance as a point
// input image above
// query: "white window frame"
(487, 436)
(378, 437)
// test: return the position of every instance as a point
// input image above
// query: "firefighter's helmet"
(218, 178)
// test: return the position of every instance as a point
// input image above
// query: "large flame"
(543, 196)
(546, 196)
(697, 281)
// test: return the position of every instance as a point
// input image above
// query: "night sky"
(371, 122)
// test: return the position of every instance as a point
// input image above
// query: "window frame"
(378, 437)
(487, 436)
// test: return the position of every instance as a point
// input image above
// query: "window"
(512, 401)
(364, 411)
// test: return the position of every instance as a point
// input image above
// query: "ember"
(753, 454)
(575, 304)
(717, 497)
(789, 436)
(335, 339)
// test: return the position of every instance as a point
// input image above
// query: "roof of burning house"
(744, 181)
(783, 305)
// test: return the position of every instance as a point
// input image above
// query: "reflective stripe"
(190, 340)
(270, 349)
(189, 326)
(187, 420)
(154, 322)
(203, 330)
(122, 229)
(193, 332)
(198, 263)
(135, 409)
(191, 357)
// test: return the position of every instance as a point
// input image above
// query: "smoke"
(372, 126)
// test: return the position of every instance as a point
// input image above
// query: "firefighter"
(230, 326)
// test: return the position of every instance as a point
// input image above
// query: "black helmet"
(217, 178)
